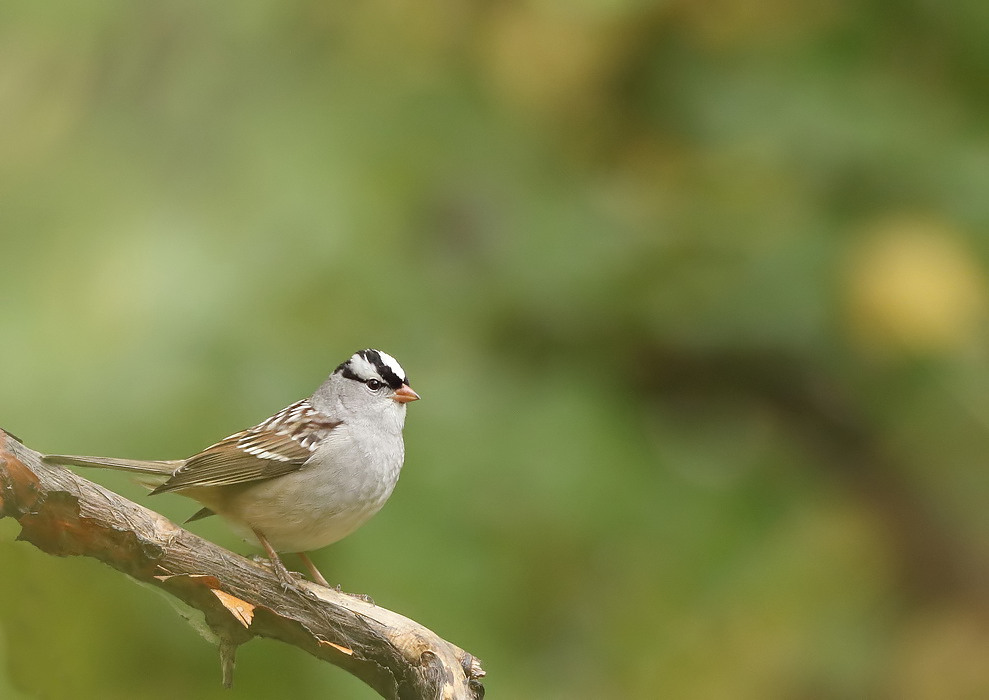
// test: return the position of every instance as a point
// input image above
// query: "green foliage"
(694, 293)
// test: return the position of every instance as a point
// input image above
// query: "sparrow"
(307, 476)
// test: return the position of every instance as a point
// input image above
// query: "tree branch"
(64, 514)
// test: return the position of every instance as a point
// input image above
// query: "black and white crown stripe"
(374, 364)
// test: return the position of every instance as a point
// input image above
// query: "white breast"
(342, 485)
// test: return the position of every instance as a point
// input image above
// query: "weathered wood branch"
(64, 514)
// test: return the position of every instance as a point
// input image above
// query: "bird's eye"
(374, 384)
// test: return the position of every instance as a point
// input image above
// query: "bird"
(304, 478)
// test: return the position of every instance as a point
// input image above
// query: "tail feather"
(139, 466)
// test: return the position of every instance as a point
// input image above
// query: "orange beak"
(404, 394)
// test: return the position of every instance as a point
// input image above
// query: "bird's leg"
(288, 581)
(313, 571)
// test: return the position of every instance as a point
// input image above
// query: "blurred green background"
(695, 294)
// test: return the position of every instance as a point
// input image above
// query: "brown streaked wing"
(272, 448)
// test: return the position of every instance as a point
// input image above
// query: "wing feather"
(277, 446)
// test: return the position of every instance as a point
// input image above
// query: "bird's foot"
(288, 579)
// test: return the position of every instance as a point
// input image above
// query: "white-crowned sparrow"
(306, 477)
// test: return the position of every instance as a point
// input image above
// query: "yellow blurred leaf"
(549, 64)
(913, 286)
(941, 655)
